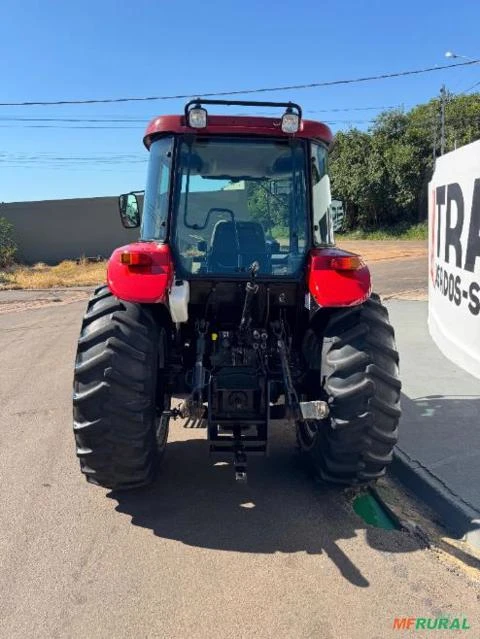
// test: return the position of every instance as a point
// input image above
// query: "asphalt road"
(392, 277)
(195, 555)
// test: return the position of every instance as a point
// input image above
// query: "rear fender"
(337, 278)
(141, 272)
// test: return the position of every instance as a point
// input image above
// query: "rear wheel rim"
(308, 433)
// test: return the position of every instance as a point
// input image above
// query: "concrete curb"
(456, 515)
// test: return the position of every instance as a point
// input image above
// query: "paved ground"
(441, 406)
(405, 279)
(17, 300)
(195, 555)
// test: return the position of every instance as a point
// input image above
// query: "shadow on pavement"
(438, 457)
(281, 509)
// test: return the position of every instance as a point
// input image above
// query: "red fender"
(337, 278)
(141, 272)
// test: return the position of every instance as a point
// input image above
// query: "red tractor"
(236, 297)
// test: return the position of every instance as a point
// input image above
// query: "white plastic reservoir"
(178, 300)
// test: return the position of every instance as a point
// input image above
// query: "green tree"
(405, 163)
(8, 247)
(270, 209)
(352, 175)
(382, 175)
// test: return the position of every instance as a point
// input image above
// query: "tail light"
(135, 258)
(350, 263)
(141, 272)
(337, 278)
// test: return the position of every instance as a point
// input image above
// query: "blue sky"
(70, 50)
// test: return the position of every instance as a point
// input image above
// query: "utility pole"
(443, 100)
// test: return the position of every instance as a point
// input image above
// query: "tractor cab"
(227, 192)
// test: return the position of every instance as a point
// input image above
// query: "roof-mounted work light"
(290, 121)
(197, 117)
(196, 114)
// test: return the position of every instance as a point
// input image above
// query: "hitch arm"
(193, 405)
(315, 410)
(291, 399)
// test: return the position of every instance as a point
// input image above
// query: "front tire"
(359, 380)
(119, 393)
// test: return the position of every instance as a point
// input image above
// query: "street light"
(443, 97)
(452, 54)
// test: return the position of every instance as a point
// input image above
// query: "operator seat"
(224, 252)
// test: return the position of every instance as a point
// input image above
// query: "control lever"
(251, 289)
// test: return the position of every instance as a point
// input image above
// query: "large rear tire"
(359, 380)
(119, 393)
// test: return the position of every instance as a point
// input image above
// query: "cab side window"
(321, 195)
(155, 206)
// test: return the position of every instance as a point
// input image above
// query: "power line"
(291, 87)
(70, 123)
(135, 120)
(369, 108)
(105, 158)
(418, 121)
(52, 157)
(62, 126)
(21, 125)
(123, 128)
(470, 88)
(100, 120)
(86, 169)
(123, 119)
(422, 121)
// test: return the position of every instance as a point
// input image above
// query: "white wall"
(454, 256)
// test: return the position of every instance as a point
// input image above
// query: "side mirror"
(129, 210)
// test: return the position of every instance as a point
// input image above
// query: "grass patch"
(67, 273)
(415, 232)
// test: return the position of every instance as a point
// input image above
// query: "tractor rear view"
(235, 297)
